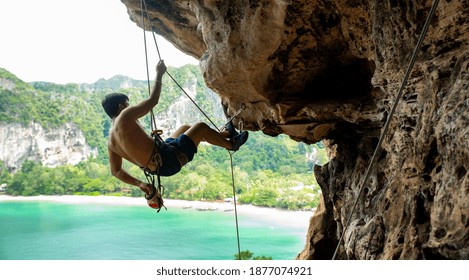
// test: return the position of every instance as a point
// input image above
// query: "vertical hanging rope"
(234, 203)
(152, 115)
(390, 115)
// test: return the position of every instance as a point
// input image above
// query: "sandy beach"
(288, 218)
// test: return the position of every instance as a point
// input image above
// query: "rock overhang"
(287, 61)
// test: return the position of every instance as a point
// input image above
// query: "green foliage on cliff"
(272, 172)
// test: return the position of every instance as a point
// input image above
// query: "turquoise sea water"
(58, 231)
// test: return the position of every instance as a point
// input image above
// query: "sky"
(64, 41)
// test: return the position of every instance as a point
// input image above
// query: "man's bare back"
(129, 140)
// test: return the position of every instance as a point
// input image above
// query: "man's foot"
(239, 140)
(231, 129)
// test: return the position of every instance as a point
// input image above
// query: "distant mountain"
(114, 84)
(8, 81)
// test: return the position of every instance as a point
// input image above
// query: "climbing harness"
(388, 120)
(156, 198)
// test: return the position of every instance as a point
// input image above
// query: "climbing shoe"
(239, 140)
(231, 129)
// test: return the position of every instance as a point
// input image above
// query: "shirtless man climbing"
(128, 139)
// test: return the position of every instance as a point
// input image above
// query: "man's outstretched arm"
(142, 108)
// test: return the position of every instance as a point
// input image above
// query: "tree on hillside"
(248, 255)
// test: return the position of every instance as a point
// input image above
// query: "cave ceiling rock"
(280, 58)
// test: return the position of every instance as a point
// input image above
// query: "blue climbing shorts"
(175, 153)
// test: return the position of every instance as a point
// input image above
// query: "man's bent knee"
(185, 127)
(201, 126)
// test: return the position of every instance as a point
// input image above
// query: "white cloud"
(76, 41)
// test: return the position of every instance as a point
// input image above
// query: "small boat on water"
(209, 208)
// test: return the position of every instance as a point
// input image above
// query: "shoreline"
(288, 218)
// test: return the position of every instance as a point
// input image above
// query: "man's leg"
(202, 132)
(180, 131)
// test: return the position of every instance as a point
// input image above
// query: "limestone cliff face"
(330, 69)
(51, 147)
